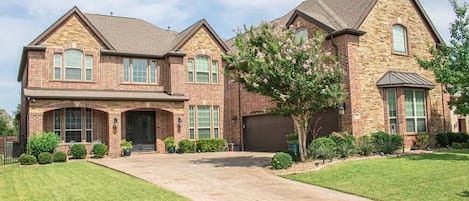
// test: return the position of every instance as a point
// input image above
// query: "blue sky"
(23, 20)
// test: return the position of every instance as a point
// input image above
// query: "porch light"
(179, 122)
(234, 119)
(341, 109)
(115, 123)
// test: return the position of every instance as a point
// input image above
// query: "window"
(73, 64)
(399, 39)
(202, 70)
(57, 66)
(204, 122)
(301, 35)
(88, 67)
(139, 71)
(415, 110)
(392, 110)
(75, 128)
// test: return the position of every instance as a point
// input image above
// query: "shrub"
(387, 143)
(281, 161)
(457, 137)
(27, 159)
(292, 138)
(99, 150)
(322, 147)
(44, 142)
(186, 146)
(365, 145)
(457, 145)
(59, 156)
(295, 157)
(78, 151)
(442, 139)
(211, 145)
(345, 143)
(169, 142)
(422, 141)
(44, 158)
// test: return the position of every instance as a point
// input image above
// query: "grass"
(436, 176)
(75, 181)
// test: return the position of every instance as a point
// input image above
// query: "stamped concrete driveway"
(228, 176)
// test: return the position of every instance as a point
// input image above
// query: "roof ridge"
(103, 15)
(331, 13)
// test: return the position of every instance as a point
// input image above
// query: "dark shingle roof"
(403, 79)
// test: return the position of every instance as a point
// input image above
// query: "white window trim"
(86, 124)
(406, 48)
(414, 117)
(89, 67)
(212, 122)
(59, 66)
(211, 72)
(148, 70)
(389, 111)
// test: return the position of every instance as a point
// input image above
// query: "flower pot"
(294, 148)
(172, 150)
(127, 152)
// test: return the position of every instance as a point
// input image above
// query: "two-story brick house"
(376, 42)
(95, 77)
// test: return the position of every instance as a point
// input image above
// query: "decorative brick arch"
(92, 105)
(160, 106)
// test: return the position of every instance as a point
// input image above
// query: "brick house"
(94, 77)
(375, 41)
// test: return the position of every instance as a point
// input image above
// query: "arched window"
(301, 35)
(399, 39)
(73, 64)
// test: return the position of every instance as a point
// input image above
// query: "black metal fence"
(10, 149)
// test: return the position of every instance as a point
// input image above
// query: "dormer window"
(399, 39)
(301, 35)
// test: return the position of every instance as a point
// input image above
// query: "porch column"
(35, 121)
(180, 124)
(114, 134)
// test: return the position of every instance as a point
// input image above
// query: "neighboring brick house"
(94, 77)
(376, 41)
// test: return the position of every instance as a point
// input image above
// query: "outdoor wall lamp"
(179, 122)
(234, 119)
(341, 109)
(115, 123)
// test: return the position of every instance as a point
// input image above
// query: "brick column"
(35, 121)
(176, 69)
(114, 134)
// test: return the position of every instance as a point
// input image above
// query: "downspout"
(240, 118)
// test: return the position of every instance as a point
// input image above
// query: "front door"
(140, 129)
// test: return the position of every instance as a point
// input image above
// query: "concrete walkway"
(228, 176)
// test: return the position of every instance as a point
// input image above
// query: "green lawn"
(75, 181)
(437, 176)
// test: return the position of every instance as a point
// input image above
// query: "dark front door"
(140, 129)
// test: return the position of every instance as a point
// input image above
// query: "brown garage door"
(267, 133)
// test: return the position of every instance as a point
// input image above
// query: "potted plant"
(293, 144)
(126, 147)
(170, 144)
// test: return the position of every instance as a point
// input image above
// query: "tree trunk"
(301, 127)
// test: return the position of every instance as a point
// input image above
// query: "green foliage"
(27, 159)
(16, 119)
(387, 143)
(457, 137)
(299, 76)
(442, 139)
(78, 151)
(422, 141)
(457, 145)
(99, 150)
(365, 145)
(187, 146)
(59, 156)
(292, 138)
(211, 145)
(44, 142)
(169, 142)
(295, 157)
(345, 143)
(281, 161)
(322, 147)
(44, 158)
(5, 128)
(126, 145)
(449, 63)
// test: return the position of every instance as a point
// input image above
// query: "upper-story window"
(140, 71)
(301, 35)
(202, 70)
(71, 65)
(399, 39)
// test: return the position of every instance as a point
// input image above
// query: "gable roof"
(185, 35)
(74, 11)
(403, 79)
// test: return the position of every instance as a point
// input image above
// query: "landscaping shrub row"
(449, 139)
(202, 145)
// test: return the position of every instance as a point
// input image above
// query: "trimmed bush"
(422, 141)
(387, 143)
(186, 146)
(59, 157)
(78, 151)
(322, 147)
(44, 158)
(457, 145)
(442, 139)
(281, 161)
(295, 157)
(27, 159)
(365, 145)
(44, 142)
(345, 143)
(211, 145)
(169, 142)
(457, 137)
(99, 150)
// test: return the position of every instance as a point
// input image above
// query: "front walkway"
(228, 176)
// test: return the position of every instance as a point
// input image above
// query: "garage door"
(267, 133)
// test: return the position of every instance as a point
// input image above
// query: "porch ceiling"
(101, 95)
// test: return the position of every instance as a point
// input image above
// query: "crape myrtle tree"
(450, 64)
(297, 74)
